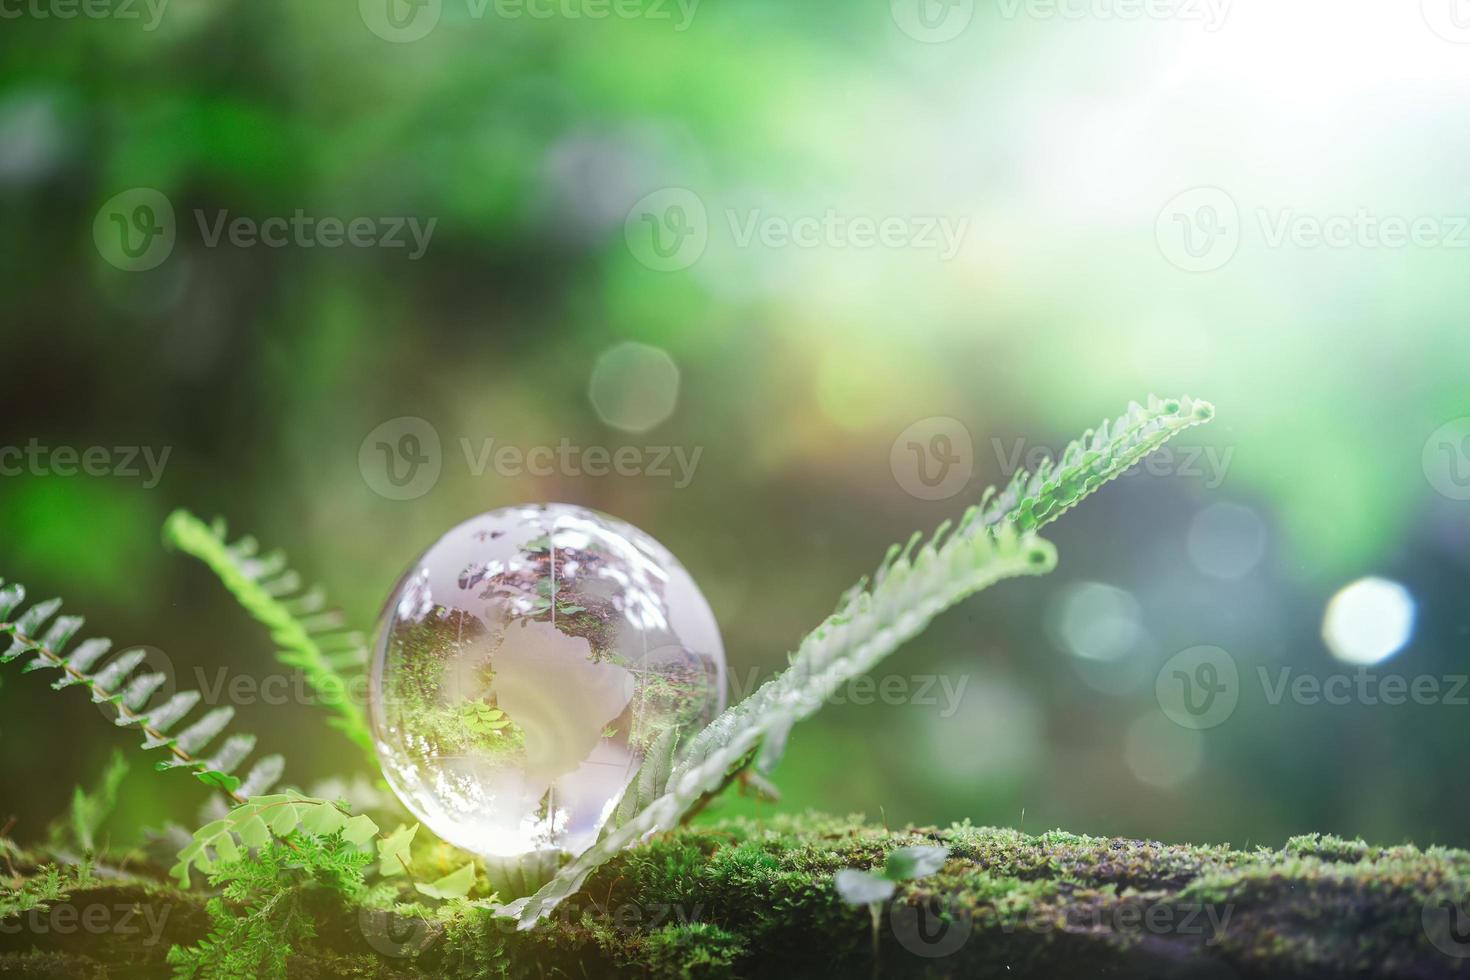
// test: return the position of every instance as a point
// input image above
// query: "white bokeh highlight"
(1368, 621)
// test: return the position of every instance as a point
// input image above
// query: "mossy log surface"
(746, 899)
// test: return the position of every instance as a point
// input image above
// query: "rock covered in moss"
(747, 899)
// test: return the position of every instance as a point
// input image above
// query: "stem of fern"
(134, 717)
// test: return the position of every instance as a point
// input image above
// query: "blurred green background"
(1135, 199)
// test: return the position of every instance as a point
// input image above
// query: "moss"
(1327, 847)
(691, 951)
(743, 898)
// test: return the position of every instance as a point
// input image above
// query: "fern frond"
(1033, 500)
(870, 626)
(256, 823)
(994, 540)
(1029, 502)
(310, 634)
(117, 681)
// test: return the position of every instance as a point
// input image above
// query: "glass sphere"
(524, 665)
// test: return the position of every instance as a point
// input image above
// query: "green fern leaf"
(118, 681)
(309, 635)
(902, 602)
(262, 818)
(1033, 500)
(994, 540)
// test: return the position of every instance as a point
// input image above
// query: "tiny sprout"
(873, 888)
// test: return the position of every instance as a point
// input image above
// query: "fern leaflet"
(908, 594)
(310, 635)
(994, 540)
(117, 681)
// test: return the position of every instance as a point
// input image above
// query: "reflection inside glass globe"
(524, 666)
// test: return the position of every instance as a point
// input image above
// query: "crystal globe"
(525, 664)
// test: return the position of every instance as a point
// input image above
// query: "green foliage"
(49, 884)
(117, 681)
(89, 810)
(310, 635)
(393, 851)
(480, 718)
(994, 540)
(858, 887)
(268, 854)
(261, 915)
(686, 951)
(256, 823)
(1033, 500)
(456, 884)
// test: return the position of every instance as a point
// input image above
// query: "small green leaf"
(393, 851)
(322, 820)
(359, 830)
(225, 846)
(254, 832)
(862, 887)
(456, 884)
(212, 830)
(283, 819)
(914, 862)
(219, 780)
